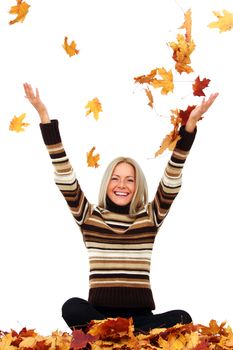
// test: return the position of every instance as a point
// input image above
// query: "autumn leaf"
(150, 97)
(94, 106)
(17, 123)
(166, 83)
(158, 78)
(187, 25)
(170, 140)
(182, 49)
(224, 22)
(70, 48)
(20, 10)
(184, 115)
(199, 85)
(92, 160)
(80, 339)
(112, 328)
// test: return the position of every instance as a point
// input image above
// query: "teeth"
(121, 193)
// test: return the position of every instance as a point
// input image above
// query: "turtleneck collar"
(120, 209)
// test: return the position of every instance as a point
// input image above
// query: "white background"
(42, 257)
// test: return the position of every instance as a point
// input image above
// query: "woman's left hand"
(198, 112)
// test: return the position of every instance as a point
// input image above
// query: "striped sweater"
(119, 245)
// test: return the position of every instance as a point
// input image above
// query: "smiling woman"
(124, 184)
(121, 187)
(119, 244)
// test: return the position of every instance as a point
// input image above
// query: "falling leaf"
(94, 106)
(187, 25)
(20, 10)
(17, 124)
(170, 140)
(225, 21)
(70, 48)
(182, 50)
(158, 78)
(92, 160)
(199, 85)
(184, 115)
(150, 97)
(80, 339)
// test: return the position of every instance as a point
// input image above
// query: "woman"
(119, 233)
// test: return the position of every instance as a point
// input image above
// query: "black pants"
(77, 313)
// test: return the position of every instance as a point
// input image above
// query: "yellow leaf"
(94, 106)
(17, 124)
(158, 78)
(21, 10)
(70, 48)
(182, 50)
(92, 160)
(225, 21)
(166, 83)
(5, 342)
(187, 25)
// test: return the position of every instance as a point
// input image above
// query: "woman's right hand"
(34, 99)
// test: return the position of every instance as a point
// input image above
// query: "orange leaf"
(163, 80)
(187, 25)
(199, 85)
(112, 328)
(94, 107)
(92, 160)
(150, 97)
(17, 124)
(21, 10)
(70, 48)
(182, 50)
(225, 21)
(170, 140)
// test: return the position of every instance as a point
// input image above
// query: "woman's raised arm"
(34, 99)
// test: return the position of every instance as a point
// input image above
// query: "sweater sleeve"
(65, 177)
(171, 181)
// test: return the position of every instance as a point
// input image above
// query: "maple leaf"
(170, 140)
(94, 106)
(150, 97)
(199, 85)
(17, 124)
(21, 10)
(92, 160)
(80, 339)
(184, 115)
(70, 48)
(187, 25)
(182, 50)
(112, 328)
(225, 21)
(165, 81)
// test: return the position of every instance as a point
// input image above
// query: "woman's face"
(122, 184)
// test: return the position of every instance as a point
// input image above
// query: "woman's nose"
(121, 183)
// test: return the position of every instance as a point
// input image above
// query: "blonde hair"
(140, 198)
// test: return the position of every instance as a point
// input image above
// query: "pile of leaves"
(118, 334)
